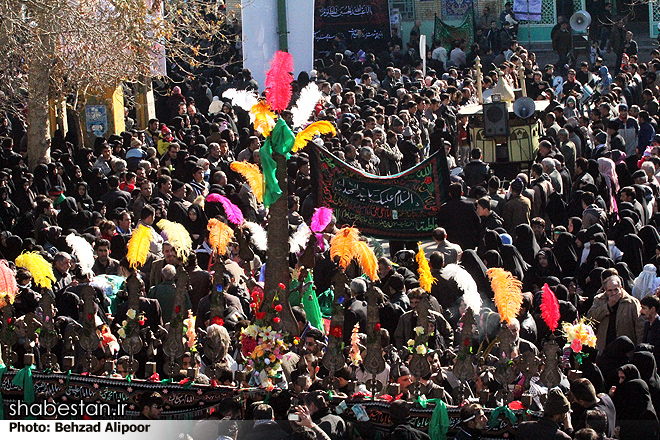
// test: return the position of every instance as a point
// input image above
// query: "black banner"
(403, 206)
(332, 17)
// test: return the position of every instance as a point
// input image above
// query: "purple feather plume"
(233, 212)
(321, 219)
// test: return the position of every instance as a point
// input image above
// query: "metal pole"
(282, 30)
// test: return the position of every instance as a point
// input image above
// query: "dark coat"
(331, 424)
(543, 429)
(460, 220)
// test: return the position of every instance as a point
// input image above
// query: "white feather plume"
(83, 251)
(466, 283)
(259, 238)
(299, 239)
(241, 98)
(309, 97)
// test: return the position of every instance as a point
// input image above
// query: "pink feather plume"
(321, 219)
(233, 212)
(278, 81)
(549, 308)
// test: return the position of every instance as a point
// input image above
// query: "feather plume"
(262, 118)
(320, 242)
(278, 81)
(41, 270)
(321, 219)
(306, 135)
(253, 175)
(426, 280)
(309, 97)
(8, 286)
(138, 246)
(233, 212)
(508, 294)
(366, 259)
(465, 283)
(178, 237)
(219, 235)
(549, 308)
(258, 236)
(241, 98)
(299, 239)
(83, 251)
(343, 245)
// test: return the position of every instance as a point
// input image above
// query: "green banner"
(403, 206)
(448, 33)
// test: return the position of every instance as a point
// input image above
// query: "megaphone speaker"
(524, 107)
(496, 119)
(580, 21)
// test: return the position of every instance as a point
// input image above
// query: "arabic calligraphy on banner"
(400, 206)
(332, 17)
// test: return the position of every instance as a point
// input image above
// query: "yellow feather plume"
(508, 293)
(343, 245)
(219, 235)
(41, 270)
(366, 259)
(138, 246)
(262, 118)
(426, 280)
(320, 127)
(178, 237)
(252, 174)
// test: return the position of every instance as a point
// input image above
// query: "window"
(406, 8)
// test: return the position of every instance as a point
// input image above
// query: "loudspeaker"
(496, 119)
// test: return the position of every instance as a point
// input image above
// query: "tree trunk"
(38, 136)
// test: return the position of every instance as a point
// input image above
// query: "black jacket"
(543, 429)
(331, 424)
(460, 220)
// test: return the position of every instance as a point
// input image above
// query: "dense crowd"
(583, 220)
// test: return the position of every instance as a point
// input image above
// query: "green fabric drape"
(23, 380)
(439, 424)
(3, 370)
(508, 413)
(447, 32)
(309, 301)
(281, 141)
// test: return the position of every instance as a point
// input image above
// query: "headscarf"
(513, 261)
(613, 357)
(605, 78)
(526, 243)
(632, 248)
(627, 278)
(651, 238)
(537, 275)
(645, 363)
(492, 241)
(493, 258)
(607, 168)
(199, 225)
(646, 282)
(566, 252)
(475, 267)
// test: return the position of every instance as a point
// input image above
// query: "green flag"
(280, 141)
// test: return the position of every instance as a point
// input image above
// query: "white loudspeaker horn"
(580, 21)
(524, 107)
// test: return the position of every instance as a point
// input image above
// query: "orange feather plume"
(306, 135)
(262, 118)
(366, 259)
(508, 293)
(343, 245)
(253, 175)
(426, 280)
(219, 235)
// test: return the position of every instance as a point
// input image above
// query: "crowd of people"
(583, 220)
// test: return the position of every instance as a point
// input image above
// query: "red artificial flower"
(260, 315)
(336, 331)
(142, 321)
(276, 320)
(177, 309)
(278, 307)
(466, 342)
(428, 180)
(184, 381)
(282, 286)
(377, 327)
(8, 320)
(218, 320)
(89, 316)
(253, 305)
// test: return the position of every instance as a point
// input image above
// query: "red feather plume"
(549, 308)
(278, 81)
